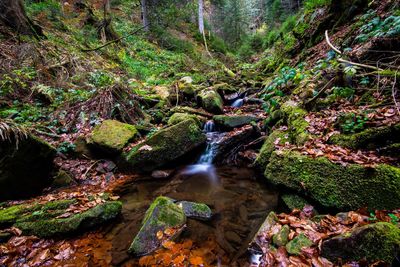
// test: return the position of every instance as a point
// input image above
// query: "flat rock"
(195, 210)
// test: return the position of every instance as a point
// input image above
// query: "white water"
(238, 103)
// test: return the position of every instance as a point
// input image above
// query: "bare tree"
(201, 16)
(145, 15)
(13, 15)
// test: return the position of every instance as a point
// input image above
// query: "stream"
(238, 200)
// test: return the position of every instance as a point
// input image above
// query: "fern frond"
(12, 132)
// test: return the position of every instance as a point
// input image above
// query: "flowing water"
(238, 103)
(239, 202)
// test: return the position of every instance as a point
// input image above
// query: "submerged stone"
(296, 244)
(111, 136)
(374, 242)
(234, 121)
(195, 210)
(334, 185)
(161, 215)
(25, 169)
(165, 146)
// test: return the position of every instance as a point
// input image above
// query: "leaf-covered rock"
(334, 185)
(161, 215)
(296, 244)
(282, 237)
(165, 146)
(374, 242)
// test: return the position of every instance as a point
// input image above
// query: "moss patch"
(234, 121)
(211, 101)
(293, 201)
(179, 117)
(296, 244)
(333, 185)
(297, 124)
(269, 146)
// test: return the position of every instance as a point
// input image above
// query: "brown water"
(239, 201)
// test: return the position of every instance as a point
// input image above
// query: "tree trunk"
(201, 16)
(13, 16)
(145, 15)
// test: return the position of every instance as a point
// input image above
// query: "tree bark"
(13, 16)
(145, 15)
(201, 16)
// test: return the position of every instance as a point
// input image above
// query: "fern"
(12, 132)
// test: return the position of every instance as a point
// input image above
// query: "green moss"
(296, 122)
(374, 242)
(334, 185)
(269, 146)
(234, 121)
(296, 244)
(211, 101)
(179, 117)
(293, 201)
(281, 238)
(165, 146)
(10, 215)
(113, 135)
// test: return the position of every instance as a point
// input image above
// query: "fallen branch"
(330, 44)
(321, 91)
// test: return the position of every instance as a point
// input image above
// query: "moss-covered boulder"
(230, 122)
(257, 243)
(295, 117)
(371, 138)
(282, 237)
(293, 201)
(374, 242)
(195, 210)
(179, 117)
(111, 136)
(189, 110)
(296, 244)
(276, 137)
(334, 185)
(185, 84)
(165, 146)
(25, 168)
(75, 223)
(211, 101)
(162, 215)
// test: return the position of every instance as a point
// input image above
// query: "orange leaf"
(168, 244)
(187, 244)
(196, 260)
(146, 261)
(160, 234)
(179, 260)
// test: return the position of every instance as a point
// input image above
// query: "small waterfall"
(209, 126)
(238, 103)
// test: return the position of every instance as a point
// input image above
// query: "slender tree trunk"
(13, 16)
(201, 16)
(145, 15)
(107, 6)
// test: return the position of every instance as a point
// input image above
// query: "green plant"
(376, 27)
(352, 123)
(66, 147)
(101, 79)
(343, 92)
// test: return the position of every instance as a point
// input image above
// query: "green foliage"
(66, 148)
(16, 79)
(352, 123)
(100, 79)
(343, 92)
(374, 26)
(313, 4)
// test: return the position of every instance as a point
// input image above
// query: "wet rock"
(162, 214)
(231, 122)
(161, 174)
(111, 136)
(276, 137)
(25, 169)
(179, 117)
(296, 244)
(293, 201)
(374, 242)
(334, 185)
(165, 146)
(211, 101)
(282, 237)
(256, 245)
(41, 219)
(62, 179)
(195, 210)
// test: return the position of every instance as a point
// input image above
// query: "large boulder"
(211, 101)
(25, 167)
(374, 242)
(111, 136)
(163, 214)
(334, 185)
(230, 122)
(48, 220)
(165, 146)
(276, 137)
(179, 117)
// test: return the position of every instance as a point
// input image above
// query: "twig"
(48, 134)
(91, 166)
(321, 91)
(330, 44)
(394, 92)
(114, 41)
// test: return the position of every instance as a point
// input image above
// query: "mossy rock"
(269, 147)
(179, 117)
(189, 110)
(257, 244)
(374, 242)
(371, 138)
(230, 122)
(25, 169)
(165, 146)
(293, 201)
(50, 227)
(295, 117)
(195, 210)
(296, 244)
(334, 185)
(282, 237)
(211, 101)
(161, 215)
(186, 86)
(111, 136)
